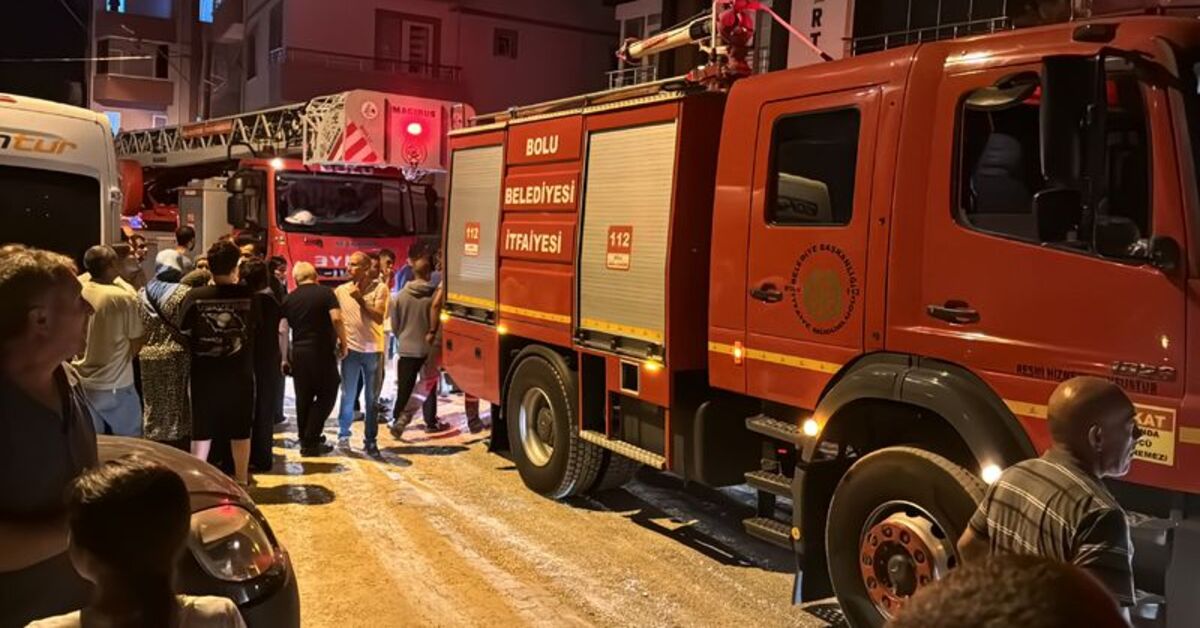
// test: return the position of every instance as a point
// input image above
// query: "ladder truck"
(851, 286)
(312, 181)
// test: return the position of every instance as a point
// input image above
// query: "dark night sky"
(43, 28)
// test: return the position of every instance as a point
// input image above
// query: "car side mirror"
(1165, 253)
(1057, 211)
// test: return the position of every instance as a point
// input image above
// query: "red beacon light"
(414, 129)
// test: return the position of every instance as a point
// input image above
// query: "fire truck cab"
(851, 286)
(315, 181)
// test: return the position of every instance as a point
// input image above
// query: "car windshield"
(352, 205)
(51, 210)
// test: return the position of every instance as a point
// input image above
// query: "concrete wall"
(552, 61)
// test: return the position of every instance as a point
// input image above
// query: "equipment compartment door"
(808, 242)
(471, 229)
(623, 247)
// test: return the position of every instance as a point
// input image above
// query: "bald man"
(1056, 506)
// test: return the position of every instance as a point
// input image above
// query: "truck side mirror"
(1165, 253)
(1058, 211)
(236, 184)
(1072, 119)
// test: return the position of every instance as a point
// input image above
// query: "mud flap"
(812, 490)
(498, 440)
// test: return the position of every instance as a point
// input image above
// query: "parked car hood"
(200, 477)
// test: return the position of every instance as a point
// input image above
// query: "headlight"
(229, 543)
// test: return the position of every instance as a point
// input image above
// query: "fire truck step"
(629, 450)
(776, 429)
(774, 483)
(769, 530)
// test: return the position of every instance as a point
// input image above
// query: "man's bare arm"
(27, 543)
(375, 305)
(339, 330)
(283, 340)
(971, 546)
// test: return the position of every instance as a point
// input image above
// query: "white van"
(59, 183)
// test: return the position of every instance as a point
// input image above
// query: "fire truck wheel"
(543, 430)
(893, 524)
(615, 471)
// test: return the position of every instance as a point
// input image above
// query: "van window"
(813, 159)
(50, 210)
(999, 172)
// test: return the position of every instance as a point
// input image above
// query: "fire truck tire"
(615, 471)
(893, 525)
(543, 430)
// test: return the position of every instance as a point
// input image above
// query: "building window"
(158, 120)
(408, 43)
(275, 32)
(813, 161)
(504, 43)
(206, 11)
(162, 57)
(1000, 173)
(251, 52)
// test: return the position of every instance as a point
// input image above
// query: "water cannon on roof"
(732, 22)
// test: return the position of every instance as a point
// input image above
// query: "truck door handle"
(954, 312)
(767, 293)
(314, 241)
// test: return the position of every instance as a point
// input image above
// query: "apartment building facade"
(149, 68)
(489, 53)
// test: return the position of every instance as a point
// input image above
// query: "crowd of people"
(196, 355)
(209, 346)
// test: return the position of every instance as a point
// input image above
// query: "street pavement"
(442, 533)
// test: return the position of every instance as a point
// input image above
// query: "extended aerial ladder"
(348, 129)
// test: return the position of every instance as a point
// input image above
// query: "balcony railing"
(358, 63)
(632, 76)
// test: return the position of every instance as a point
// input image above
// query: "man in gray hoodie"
(410, 324)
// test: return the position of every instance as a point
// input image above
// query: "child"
(129, 522)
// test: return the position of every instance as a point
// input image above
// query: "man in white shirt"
(114, 338)
(363, 301)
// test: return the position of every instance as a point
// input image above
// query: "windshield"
(49, 210)
(353, 206)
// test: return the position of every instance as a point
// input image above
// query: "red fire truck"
(851, 286)
(315, 181)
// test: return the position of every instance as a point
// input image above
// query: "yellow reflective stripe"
(1024, 408)
(793, 361)
(719, 347)
(1189, 435)
(607, 327)
(783, 359)
(538, 314)
(465, 299)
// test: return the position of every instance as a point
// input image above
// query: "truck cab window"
(813, 159)
(1000, 172)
